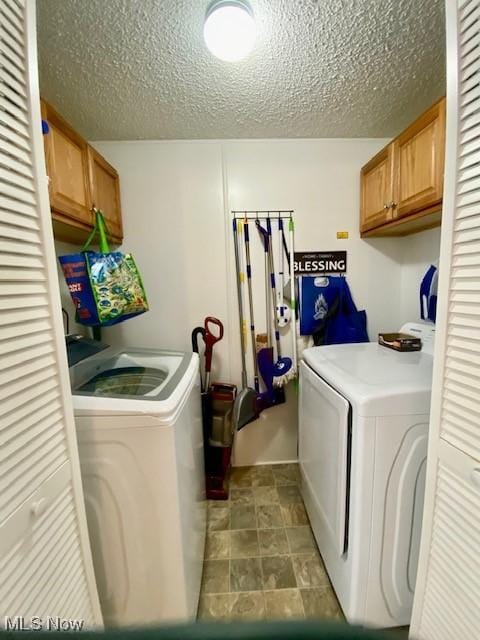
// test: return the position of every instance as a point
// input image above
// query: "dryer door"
(324, 454)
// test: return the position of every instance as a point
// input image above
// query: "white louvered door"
(45, 562)
(447, 597)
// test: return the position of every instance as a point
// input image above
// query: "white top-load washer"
(363, 427)
(139, 429)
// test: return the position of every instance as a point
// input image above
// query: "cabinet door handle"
(386, 206)
(392, 205)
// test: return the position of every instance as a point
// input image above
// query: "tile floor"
(261, 560)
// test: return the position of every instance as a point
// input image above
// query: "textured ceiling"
(138, 69)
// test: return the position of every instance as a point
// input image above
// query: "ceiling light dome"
(229, 29)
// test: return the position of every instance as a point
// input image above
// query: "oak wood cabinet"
(377, 190)
(401, 187)
(66, 158)
(105, 191)
(79, 178)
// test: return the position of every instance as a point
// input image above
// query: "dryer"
(139, 430)
(363, 429)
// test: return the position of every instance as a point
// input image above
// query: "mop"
(245, 408)
(282, 309)
(283, 366)
(293, 302)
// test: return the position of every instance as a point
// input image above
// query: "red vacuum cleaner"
(217, 409)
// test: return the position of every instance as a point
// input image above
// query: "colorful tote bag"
(106, 286)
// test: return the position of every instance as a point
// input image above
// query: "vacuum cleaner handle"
(211, 337)
(198, 331)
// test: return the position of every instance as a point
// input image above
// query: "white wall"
(176, 200)
(419, 252)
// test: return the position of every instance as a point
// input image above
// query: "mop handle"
(292, 294)
(264, 235)
(250, 302)
(281, 273)
(240, 302)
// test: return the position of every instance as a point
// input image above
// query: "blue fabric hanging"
(328, 312)
(428, 294)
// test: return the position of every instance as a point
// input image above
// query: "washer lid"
(146, 374)
(367, 373)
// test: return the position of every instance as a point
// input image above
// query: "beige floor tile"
(273, 542)
(269, 516)
(300, 540)
(294, 514)
(265, 495)
(247, 606)
(218, 519)
(215, 607)
(263, 477)
(241, 477)
(241, 496)
(245, 574)
(285, 474)
(289, 494)
(321, 603)
(284, 603)
(242, 517)
(244, 544)
(216, 576)
(310, 571)
(278, 573)
(217, 545)
(215, 504)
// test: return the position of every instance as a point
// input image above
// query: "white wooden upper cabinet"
(45, 561)
(447, 596)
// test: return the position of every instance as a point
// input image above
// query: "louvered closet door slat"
(447, 591)
(16, 166)
(7, 51)
(16, 6)
(13, 110)
(20, 210)
(467, 222)
(45, 566)
(12, 21)
(469, 26)
(10, 230)
(49, 560)
(468, 14)
(463, 333)
(455, 551)
(473, 132)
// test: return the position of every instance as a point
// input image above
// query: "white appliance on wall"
(363, 428)
(139, 429)
(45, 561)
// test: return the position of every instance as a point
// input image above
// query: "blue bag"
(328, 312)
(106, 287)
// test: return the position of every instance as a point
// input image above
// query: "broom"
(282, 368)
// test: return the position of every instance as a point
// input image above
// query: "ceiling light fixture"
(229, 29)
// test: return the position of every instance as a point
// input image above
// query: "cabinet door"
(419, 159)
(67, 168)
(105, 188)
(376, 190)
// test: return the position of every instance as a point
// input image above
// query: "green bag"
(106, 286)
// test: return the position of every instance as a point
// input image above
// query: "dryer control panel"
(423, 330)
